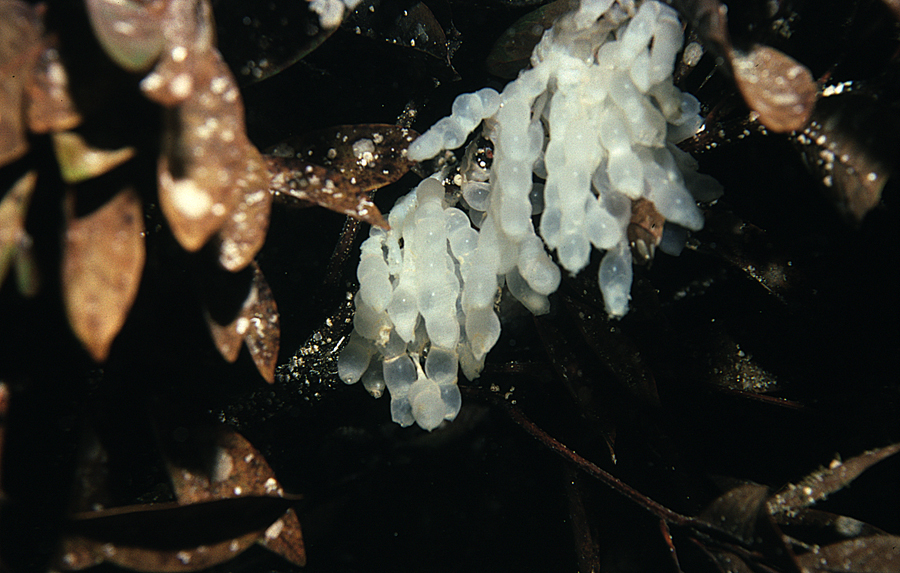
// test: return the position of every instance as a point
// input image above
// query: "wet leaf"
(20, 44)
(15, 242)
(822, 483)
(131, 33)
(369, 156)
(876, 554)
(103, 256)
(295, 180)
(234, 469)
(169, 536)
(257, 325)
(774, 85)
(512, 50)
(79, 161)
(849, 144)
(207, 166)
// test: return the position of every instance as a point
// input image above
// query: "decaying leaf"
(257, 325)
(208, 165)
(188, 40)
(20, 44)
(369, 156)
(79, 161)
(822, 483)
(15, 243)
(103, 256)
(234, 468)
(131, 33)
(244, 231)
(169, 536)
(737, 510)
(50, 107)
(307, 184)
(875, 554)
(850, 144)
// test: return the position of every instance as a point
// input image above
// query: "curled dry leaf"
(776, 86)
(257, 325)
(236, 469)
(296, 180)
(15, 242)
(168, 536)
(131, 33)
(78, 161)
(20, 44)
(103, 256)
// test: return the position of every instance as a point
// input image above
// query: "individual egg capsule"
(355, 358)
(441, 364)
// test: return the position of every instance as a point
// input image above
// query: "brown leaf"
(208, 165)
(369, 156)
(20, 44)
(189, 35)
(15, 242)
(78, 161)
(103, 256)
(235, 469)
(822, 483)
(131, 33)
(50, 107)
(850, 145)
(168, 536)
(244, 232)
(774, 85)
(736, 511)
(295, 180)
(257, 325)
(876, 554)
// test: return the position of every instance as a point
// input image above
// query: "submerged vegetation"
(170, 169)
